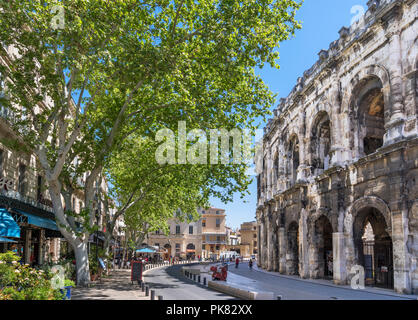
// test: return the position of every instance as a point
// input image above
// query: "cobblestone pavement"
(117, 286)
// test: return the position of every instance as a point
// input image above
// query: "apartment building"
(214, 234)
(183, 241)
(248, 243)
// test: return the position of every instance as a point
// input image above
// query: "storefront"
(30, 229)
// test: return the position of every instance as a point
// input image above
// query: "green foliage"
(21, 282)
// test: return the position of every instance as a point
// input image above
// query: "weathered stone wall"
(342, 150)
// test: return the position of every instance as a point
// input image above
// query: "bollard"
(160, 297)
(142, 286)
(146, 291)
(152, 294)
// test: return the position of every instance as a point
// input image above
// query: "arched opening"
(321, 143)
(292, 257)
(373, 246)
(275, 169)
(293, 163)
(323, 237)
(371, 115)
(190, 251)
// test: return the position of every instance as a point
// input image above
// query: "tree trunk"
(82, 264)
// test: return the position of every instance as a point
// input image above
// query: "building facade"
(183, 241)
(338, 183)
(249, 239)
(214, 234)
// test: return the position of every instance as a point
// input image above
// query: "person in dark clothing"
(250, 264)
(236, 262)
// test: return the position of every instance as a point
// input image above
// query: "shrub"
(21, 282)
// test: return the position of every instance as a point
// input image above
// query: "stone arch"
(367, 102)
(364, 202)
(320, 138)
(293, 158)
(321, 246)
(292, 252)
(375, 70)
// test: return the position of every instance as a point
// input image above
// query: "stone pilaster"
(401, 265)
(282, 250)
(395, 126)
(339, 263)
(303, 246)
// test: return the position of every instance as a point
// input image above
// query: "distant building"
(184, 240)
(248, 243)
(214, 232)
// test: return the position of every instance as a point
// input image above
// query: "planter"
(67, 291)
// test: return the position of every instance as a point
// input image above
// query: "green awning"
(39, 221)
(8, 226)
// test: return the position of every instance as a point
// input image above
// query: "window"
(156, 244)
(218, 238)
(22, 184)
(218, 223)
(177, 229)
(190, 229)
(39, 189)
(254, 235)
(255, 243)
(177, 247)
(217, 247)
(217, 212)
(157, 232)
(204, 223)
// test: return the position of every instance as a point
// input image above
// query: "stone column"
(401, 263)
(28, 235)
(303, 246)
(282, 250)
(270, 243)
(339, 263)
(394, 129)
(261, 244)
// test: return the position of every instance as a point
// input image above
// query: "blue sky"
(321, 21)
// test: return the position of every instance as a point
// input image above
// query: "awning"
(8, 226)
(6, 240)
(145, 250)
(39, 221)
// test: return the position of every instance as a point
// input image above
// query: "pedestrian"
(236, 262)
(250, 264)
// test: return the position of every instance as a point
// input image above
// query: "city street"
(296, 289)
(172, 285)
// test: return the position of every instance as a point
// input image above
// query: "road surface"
(172, 285)
(296, 289)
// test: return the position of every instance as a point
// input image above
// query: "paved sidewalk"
(117, 286)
